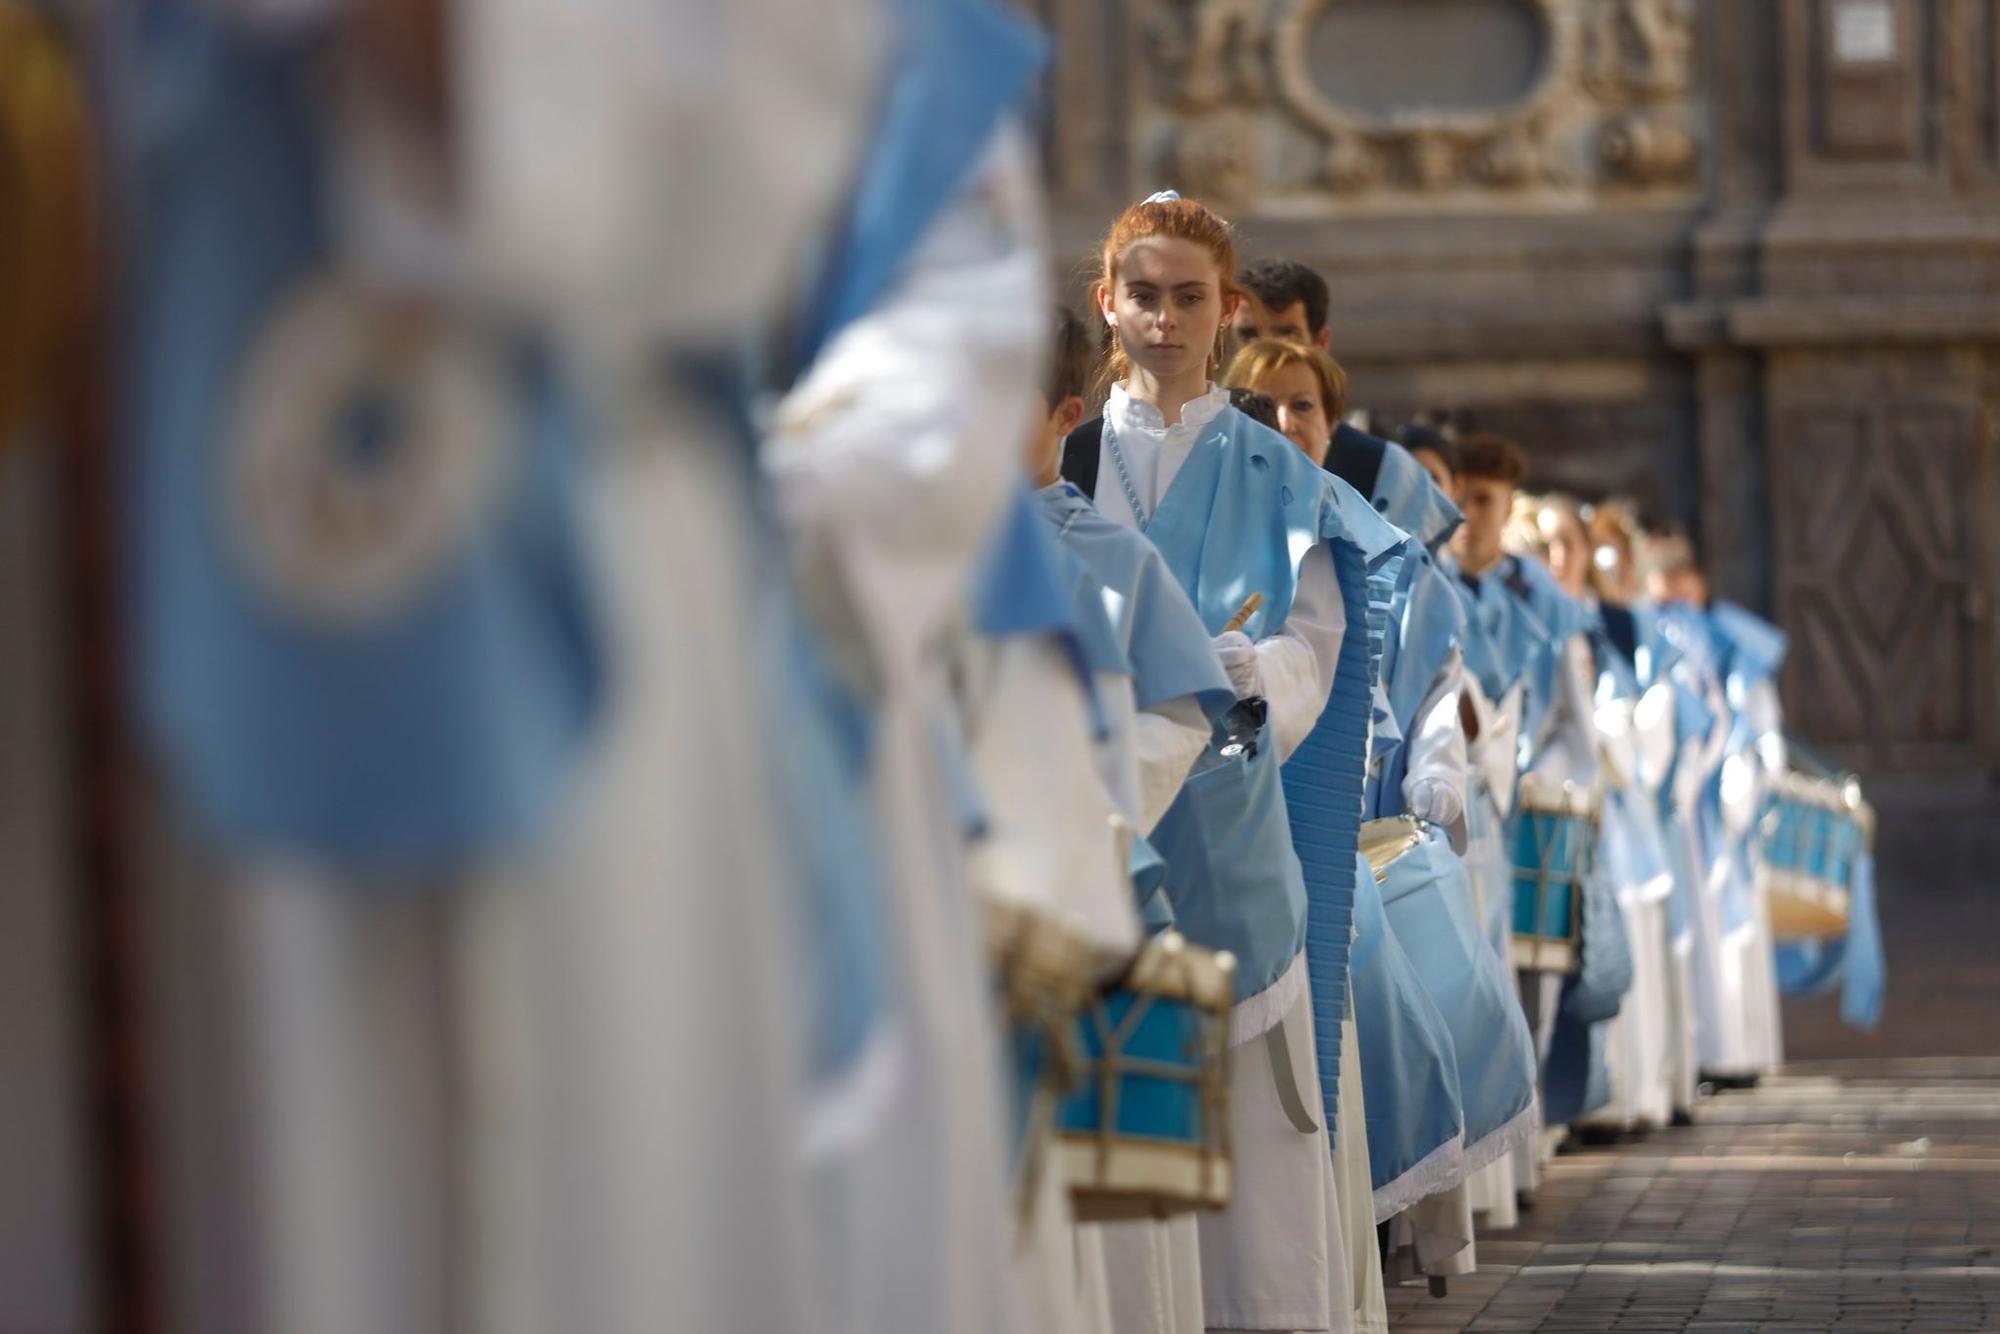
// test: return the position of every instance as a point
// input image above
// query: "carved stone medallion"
(1384, 105)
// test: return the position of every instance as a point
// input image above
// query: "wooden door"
(1883, 504)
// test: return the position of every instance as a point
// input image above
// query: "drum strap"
(1289, 1096)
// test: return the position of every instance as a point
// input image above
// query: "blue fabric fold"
(438, 724)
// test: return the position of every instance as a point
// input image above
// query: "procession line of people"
(758, 772)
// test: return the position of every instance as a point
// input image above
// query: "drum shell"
(1814, 833)
(1145, 1133)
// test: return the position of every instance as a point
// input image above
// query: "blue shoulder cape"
(1168, 649)
(1409, 497)
(1240, 517)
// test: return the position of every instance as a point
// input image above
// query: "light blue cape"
(1243, 512)
(1167, 648)
(1408, 496)
(1409, 1067)
(1855, 962)
(1427, 620)
(1428, 900)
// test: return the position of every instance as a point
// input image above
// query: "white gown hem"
(1440, 1169)
(1498, 1144)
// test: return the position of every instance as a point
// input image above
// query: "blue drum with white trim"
(1555, 838)
(1145, 1134)
(1814, 832)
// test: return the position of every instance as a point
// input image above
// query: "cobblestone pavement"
(1836, 1195)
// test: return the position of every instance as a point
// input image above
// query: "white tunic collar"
(1131, 416)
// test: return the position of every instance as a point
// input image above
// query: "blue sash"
(1408, 497)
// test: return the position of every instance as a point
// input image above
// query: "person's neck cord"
(1139, 514)
(1170, 395)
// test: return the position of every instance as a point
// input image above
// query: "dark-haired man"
(1432, 448)
(1282, 298)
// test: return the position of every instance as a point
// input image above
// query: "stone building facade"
(1736, 258)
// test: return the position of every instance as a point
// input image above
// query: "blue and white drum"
(1555, 837)
(1044, 971)
(1146, 1132)
(1814, 830)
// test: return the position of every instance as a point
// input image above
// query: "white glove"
(1435, 800)
(1239, 658)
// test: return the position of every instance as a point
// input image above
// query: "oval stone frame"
(1423, 135)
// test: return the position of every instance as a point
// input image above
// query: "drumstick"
(1244, 613)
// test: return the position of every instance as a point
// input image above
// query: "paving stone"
(1799, 1205)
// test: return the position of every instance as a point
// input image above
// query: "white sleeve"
(1298, 662)
(1169, 737)
(1617, 742)
(1049, 842)
(1436, 744)
(1767, 719)
(1492, 752)
(1569, 735)
(1653, 731)
(1439, 757)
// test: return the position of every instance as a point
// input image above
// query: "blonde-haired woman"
(1308, 386)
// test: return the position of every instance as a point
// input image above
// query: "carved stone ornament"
(1529, 103)
(1647, 148)
(1213, 54)
(1433, 147)
(1216, 158)
(1639, 49)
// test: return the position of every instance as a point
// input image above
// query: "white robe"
(1493, 1191)
(1049, 847)
(1276, 1258)
(1355, 1191)
(1144, 1277)
(1636, 1047)
(1745, 1036)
